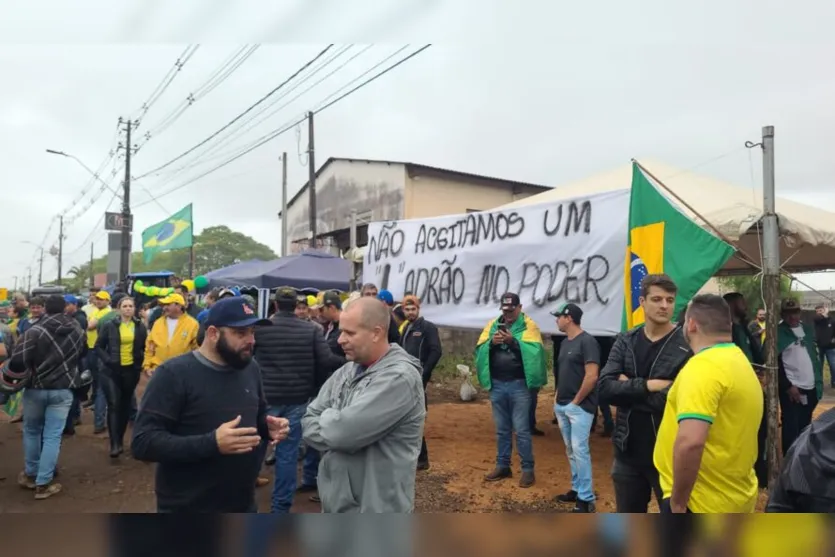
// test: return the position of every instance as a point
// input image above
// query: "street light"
(85, 167)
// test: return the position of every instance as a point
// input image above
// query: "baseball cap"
(173, 299)
(311, 301)
(301, 300)
(234, 312)
(571, 310)
(789, 304)
(411, 300)
(70, 299)
(225, 293)
(385, 296)
(510, 301)
(331, 298)
(285, 294)
(103, 295)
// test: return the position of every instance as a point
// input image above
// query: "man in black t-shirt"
(203, 417)
(641, 367)
(575, 403)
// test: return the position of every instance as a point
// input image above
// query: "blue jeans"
(575, 426)
(43, 424)
(511, 402)
(829, 356)
(287, 457)
(97, 393)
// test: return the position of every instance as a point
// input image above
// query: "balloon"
(189, 284)
(152, 291)
(141, 288)
(201, 282)
(166, 291)
(138, 284)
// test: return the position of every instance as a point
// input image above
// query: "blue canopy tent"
(310, 270)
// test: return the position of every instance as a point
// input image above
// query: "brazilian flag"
(662, 239)
(175, 232)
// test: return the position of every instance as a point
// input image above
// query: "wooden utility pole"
(771, 293)
(92, 273)
(311, 180)
(60, 246)
(284, 232)
(40, 268)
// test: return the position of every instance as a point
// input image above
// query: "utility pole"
(60, 245)
(124, 260)
(284, 239)
(771, 292)
(29, 280)
(15, 284)
(92, 273)
(311, 180)
(40, 268)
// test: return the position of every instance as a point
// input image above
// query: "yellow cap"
(103, 295)
(173, 299)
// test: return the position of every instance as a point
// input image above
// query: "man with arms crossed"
(367, 420)
(707, 443)
(575, 404)
(640, 369)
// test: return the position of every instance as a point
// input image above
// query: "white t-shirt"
(172, 325)
(798, 364)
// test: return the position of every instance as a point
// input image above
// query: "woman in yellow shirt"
(121, 349)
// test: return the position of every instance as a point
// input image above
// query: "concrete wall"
(376, 188)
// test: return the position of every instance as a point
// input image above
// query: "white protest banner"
(549, 254)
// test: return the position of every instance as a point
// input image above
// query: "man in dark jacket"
(640, 370)
(825, 338)
(49, 352)
(73, 309)
(370, 291)
(421, 340)
(295, 362)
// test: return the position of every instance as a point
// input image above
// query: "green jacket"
(785, 338)
(527, 334)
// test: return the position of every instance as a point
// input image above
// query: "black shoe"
(584, 507)
(304, 488)
(270, 460)
(498, 474)
(538, 432)
(527, 480)
(555, 421)
(87, 404)
(607, 432)
(568, 497)
(423, 465)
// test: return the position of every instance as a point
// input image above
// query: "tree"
(214, 248)
(751, 289)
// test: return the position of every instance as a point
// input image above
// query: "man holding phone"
(510, 360)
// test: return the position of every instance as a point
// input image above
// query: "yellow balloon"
(188, 283)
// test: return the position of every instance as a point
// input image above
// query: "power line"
(166, 82)
(241, 115)
(275, 133)
(95, 228)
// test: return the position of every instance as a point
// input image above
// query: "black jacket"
(394, 332)
(632, 395)
(421, 340)
(295, 359)
(108, 345)
(332, 338)
(81, 317)
(824, 332)
(49, 353)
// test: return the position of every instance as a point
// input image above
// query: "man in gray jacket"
(368, 419)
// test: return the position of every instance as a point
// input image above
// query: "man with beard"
(204, 415)
(757, 327)
(421, 340)
(750, 346)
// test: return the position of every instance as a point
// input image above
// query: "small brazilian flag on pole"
(662, 239)
(175, 232)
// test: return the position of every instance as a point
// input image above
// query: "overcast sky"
(542, 94)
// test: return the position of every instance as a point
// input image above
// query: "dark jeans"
(828, 356)
(606, 413)
(676, 532)
(287, 457)
(634, 485)
(511, 403)
(118, 385)
(534, 401)
(97, 395)
(795, 416)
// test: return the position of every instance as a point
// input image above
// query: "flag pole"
(745, 257)
(191, 261)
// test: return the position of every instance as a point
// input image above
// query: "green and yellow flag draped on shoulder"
(526, 332)
(175, 232)
(662, 239)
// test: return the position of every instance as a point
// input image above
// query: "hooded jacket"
(368, 423)
(807, 480)
(824, 332)
(49, 352)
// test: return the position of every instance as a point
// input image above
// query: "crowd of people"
(336, 385)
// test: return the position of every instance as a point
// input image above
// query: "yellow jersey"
(718, 386)
(93, 336)
(127, 335)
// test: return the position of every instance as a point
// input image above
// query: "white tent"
(807, 233)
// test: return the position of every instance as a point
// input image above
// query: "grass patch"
(446, 370)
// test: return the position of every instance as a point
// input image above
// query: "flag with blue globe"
(175, 232)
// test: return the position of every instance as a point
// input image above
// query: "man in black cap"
(575, 403)
(295, 362)
(204, 415)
